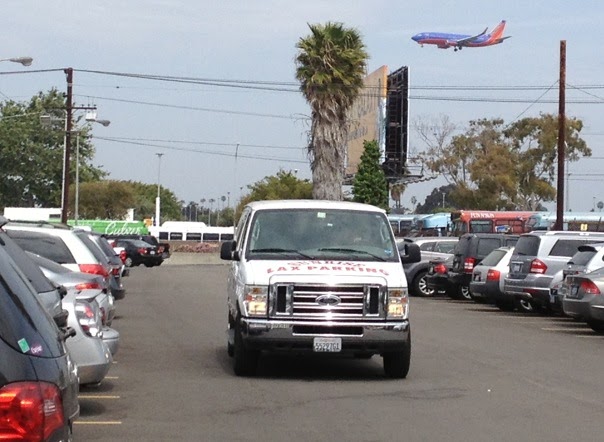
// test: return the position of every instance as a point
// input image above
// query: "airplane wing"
(463, 41)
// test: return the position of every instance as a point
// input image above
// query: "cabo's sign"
(326, 266)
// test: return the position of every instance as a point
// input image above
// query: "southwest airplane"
(457, 41)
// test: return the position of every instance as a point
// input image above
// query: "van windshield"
(321, 234)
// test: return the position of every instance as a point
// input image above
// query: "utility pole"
(67, 152)
(561, 138)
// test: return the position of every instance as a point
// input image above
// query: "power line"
(208, 143)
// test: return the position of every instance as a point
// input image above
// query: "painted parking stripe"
(97, 396)
(79, 422)
(112, 378)
(561, 329)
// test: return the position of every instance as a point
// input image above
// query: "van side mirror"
(411, 253)
(228, 252)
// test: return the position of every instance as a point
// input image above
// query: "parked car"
(163, 248)
(469, 251)
(588, 258)
(488, 276)
(139, 252)
(538, 256)
(71, 248)
(36, 371)
(430, 248)
(584, 298)
(117, 265)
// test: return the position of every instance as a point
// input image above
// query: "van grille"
(318, 301)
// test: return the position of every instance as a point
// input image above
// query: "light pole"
(25, 61)
(92, 119)
(157, 200)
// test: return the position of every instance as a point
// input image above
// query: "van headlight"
(398, 303)
(255, 300)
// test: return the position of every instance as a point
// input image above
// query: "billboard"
(366, 119)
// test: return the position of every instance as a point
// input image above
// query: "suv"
(431, 248)
(469, 251)
(38, 380)
(538, 257)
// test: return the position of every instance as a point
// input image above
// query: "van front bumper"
(298, 336)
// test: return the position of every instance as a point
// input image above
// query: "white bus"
(191, 231)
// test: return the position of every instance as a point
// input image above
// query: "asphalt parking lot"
(476, 374)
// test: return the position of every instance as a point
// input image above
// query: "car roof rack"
(39, 223)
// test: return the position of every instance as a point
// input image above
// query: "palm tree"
(330, 67)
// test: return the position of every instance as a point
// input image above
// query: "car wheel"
(597, 326)
(396, 364)
(245, 359)
(505, 306)
(525, 306)
(464, 292)
(128, 262)
(420, 287)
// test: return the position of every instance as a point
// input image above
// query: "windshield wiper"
(278, 250)
(345, 250)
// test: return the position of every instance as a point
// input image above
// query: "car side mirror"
(228, 252)
(411, 253)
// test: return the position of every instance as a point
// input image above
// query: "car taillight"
(537, 266)
(589, 288)
(95, 269)
(123, 256)
(89, 318)
(493, 275)
(88, 285)
(30, 411)
(468, 264)
(115, 271)
(440, 268)
(142, 251)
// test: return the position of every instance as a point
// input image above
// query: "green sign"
(110, 227)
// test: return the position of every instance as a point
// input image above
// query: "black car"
(139, 252)
(163, 248)
(454, 277)
(36, 372)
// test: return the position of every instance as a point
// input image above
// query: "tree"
(370, 185)
(495, 166)
(434, 202)
(283, 185)
(31, 170)
(330, 67)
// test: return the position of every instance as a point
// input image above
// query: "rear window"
(486, 245)
(582, 258)
(31, 270)
(493, 258)
(48, 246)
(427, 246)
(445, 247)
(25, 325)
(92, 247)
(567, 247)
(528, 245)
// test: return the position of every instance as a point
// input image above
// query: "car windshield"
(321, 234)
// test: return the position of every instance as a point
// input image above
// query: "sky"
(217, 140)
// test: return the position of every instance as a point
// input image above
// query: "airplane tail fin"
(497, 31)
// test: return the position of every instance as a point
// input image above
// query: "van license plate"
(329, 345)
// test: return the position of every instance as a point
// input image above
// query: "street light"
(157, 200)
(25, 61)
(105, 123)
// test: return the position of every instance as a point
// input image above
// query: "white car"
(488, 278)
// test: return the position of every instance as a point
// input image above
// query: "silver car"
(488, 277)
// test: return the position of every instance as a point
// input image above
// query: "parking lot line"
(97, 396)
(113, 378)
(78, 422)
(566, 329)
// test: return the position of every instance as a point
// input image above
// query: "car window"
(567, 247)
(25, 324)
(486, 245)
(427, 246)
(92, 247)
(444, 247)
(493, 258)
(48, 264)
(49, 246)
(31, 270)
(510, 241)
(527, 245)
(582, 258)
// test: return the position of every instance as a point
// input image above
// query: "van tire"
(245, 360)
(396, 363)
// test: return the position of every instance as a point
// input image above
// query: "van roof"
(569, 233)
(313, 204)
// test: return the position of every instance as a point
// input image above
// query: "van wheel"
(230, 347)
(396, 363)
(420, 287)
(245, 359)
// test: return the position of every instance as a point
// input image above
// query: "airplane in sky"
(459, 41)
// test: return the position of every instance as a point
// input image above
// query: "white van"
(317, 276)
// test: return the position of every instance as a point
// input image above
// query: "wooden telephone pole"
(561, 138)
